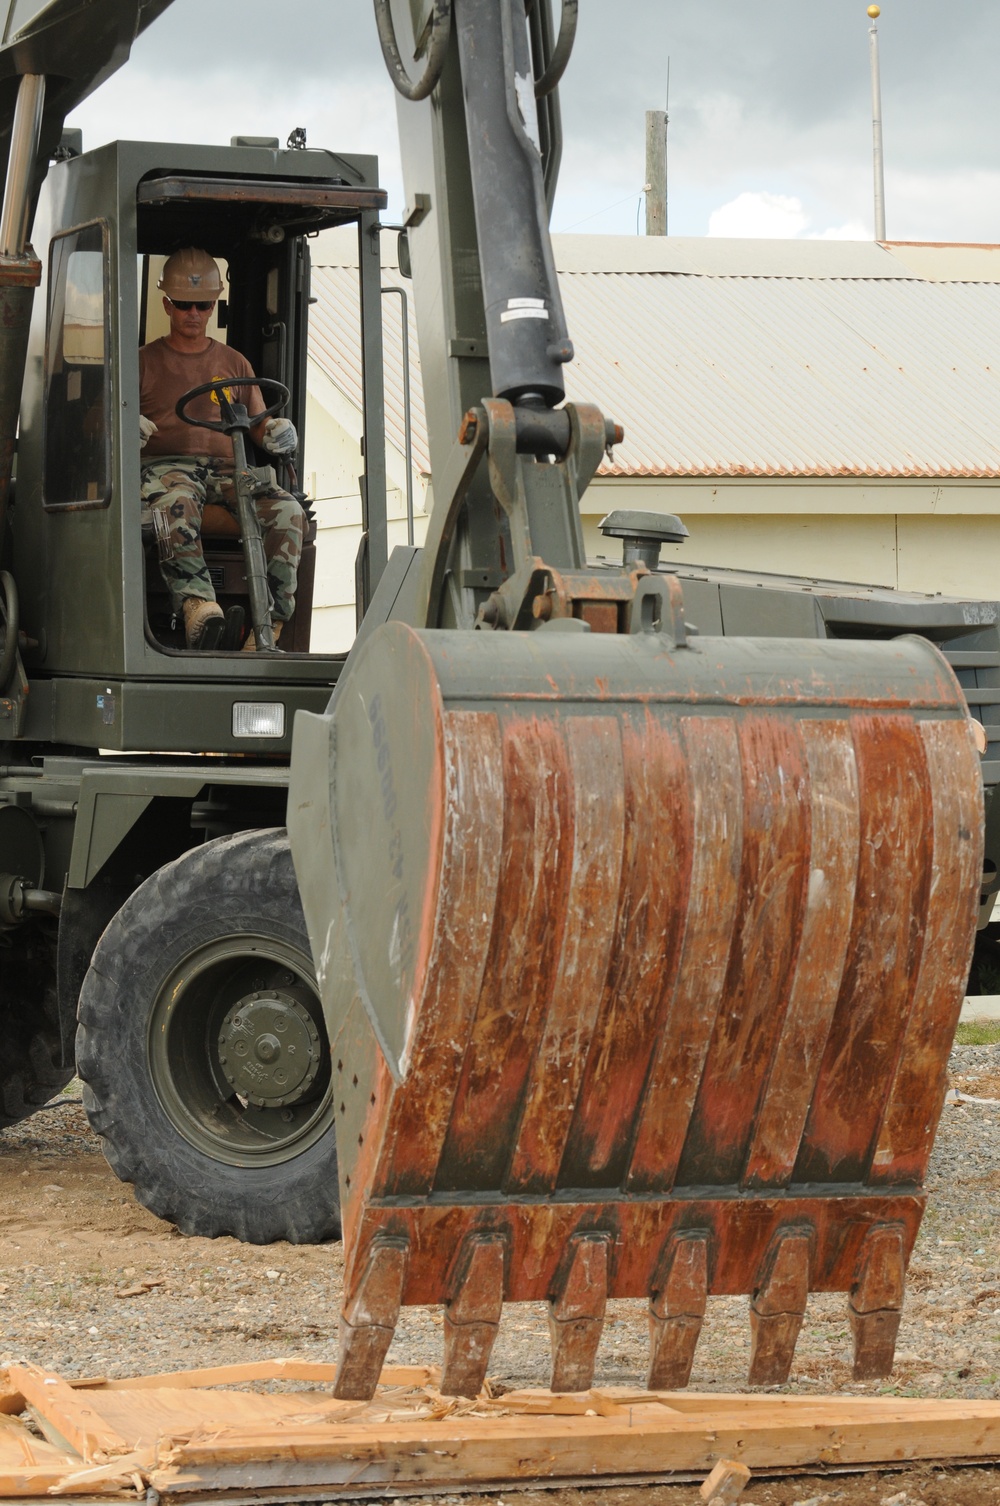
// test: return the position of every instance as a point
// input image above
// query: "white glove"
(146, 428)
(280, 437)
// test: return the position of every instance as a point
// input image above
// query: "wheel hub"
(269, 1049)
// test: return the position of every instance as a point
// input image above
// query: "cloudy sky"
(770, 122)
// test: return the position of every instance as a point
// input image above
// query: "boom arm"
(480, 167)
(75, 46)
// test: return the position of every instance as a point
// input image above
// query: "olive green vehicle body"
(119, 746)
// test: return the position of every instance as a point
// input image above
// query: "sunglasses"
(184, 305)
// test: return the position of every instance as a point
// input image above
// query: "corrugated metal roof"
(748, 373)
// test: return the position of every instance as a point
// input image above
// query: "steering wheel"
(220, 385)
(10, 618)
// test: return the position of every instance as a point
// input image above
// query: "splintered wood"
(187, 1436)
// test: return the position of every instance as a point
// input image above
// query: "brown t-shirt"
(166, 374)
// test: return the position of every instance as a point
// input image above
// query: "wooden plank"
(29, 1466)
(143, 1417)
(72, 1417)
(11, 1400)
(230, 1375)
(19, 1447)
(42, 1480)
(237, 1440)
(725, 1484)
(126, 1473)
(466, 1451)
(236, 1375)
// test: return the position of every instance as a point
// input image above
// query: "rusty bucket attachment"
(642, 966)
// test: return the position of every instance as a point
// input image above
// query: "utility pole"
(656, 172)
(877, 158)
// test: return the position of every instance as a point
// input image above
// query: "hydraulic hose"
(556, 66)
(437, 46)
(11, 613)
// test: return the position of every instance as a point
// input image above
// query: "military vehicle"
(629, 953)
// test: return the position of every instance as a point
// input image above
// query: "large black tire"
(31, 1073)
(186, 989)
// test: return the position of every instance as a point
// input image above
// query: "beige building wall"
(913, 536)
(333, 449)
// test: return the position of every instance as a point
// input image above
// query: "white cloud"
(854, 230)
(775, 216)
(769, 216)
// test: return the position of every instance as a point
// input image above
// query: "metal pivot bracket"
(540, 462)
(630, 602)
(450, 496)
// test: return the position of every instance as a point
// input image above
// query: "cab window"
(77, 469)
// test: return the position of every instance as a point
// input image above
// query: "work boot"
(250, 646)
(203, 623)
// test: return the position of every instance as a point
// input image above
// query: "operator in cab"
(184, 468)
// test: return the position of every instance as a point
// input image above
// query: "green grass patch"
(978, 1033)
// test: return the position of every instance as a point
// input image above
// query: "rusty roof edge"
(723, 472)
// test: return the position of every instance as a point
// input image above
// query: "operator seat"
(220, 536)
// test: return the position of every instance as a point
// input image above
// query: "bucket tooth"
(876, 1301)
(368, 1320)
(676, 1310)
(576, 1312)
(778, 1306)
(472, 1316)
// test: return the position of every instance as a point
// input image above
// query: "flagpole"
(877, 155)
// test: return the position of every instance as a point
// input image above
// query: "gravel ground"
(77, 1249)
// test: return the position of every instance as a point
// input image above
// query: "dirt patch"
(983, 1085)
(963, 1487)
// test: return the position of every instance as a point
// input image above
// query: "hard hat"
(191, 274)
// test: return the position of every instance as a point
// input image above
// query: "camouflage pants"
(179, 486)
